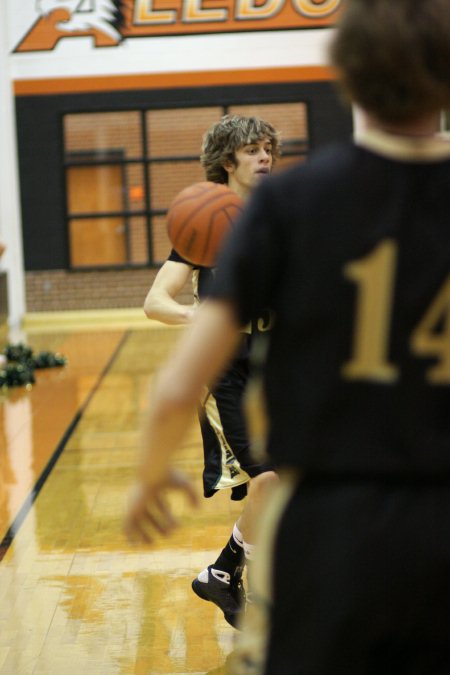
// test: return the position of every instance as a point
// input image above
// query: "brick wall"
(60, 290)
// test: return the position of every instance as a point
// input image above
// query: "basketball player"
(237, 151)
(352, 252)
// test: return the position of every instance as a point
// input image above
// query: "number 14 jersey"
(351, 251)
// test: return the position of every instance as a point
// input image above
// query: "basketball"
(199, 218)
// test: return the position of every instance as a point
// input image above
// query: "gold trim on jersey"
(404, 148)
(195, 280)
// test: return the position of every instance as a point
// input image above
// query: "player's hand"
(149, 513)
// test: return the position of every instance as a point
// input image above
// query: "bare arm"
(160, 303)
(201, 355)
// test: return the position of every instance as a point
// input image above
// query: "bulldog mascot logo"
(57, 19)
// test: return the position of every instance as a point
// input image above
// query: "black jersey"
(352, 252)
(201, 276)
(202, 282)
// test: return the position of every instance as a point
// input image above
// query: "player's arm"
(160, 303)
(199, 358)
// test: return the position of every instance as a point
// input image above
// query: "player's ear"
(229, 166)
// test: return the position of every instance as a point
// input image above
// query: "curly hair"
(393, 56)
(232, 132)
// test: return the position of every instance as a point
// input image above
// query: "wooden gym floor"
(75, 597)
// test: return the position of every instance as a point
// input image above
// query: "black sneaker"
(218, 587)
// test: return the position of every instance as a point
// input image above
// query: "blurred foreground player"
(352, 252)
(237, 151)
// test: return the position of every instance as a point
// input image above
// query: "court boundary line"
(24, 510)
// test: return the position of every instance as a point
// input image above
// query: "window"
(122, 170)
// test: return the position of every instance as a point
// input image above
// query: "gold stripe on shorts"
(231, 472)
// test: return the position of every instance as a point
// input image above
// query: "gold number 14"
(374, 276)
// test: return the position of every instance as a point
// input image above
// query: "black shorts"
(361, 581)
(227, 454)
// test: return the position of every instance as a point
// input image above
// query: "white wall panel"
(74, 57)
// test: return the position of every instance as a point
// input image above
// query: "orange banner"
(110, 22)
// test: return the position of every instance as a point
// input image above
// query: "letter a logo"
(57, 19)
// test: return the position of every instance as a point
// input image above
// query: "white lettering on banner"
(316, 9)
(193, 11)
(145, 14)
(248, 9)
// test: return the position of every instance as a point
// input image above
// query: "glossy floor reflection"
(74, 596)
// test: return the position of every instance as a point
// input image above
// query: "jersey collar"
(404, 148)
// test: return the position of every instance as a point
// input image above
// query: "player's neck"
(242, 191)
(425, 127)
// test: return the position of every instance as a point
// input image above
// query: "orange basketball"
(199, 218)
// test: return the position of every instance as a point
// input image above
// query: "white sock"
(249, 551)
(237, 536)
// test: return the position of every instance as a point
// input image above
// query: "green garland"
(21, 364)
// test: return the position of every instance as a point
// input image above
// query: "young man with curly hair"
(238, 151)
